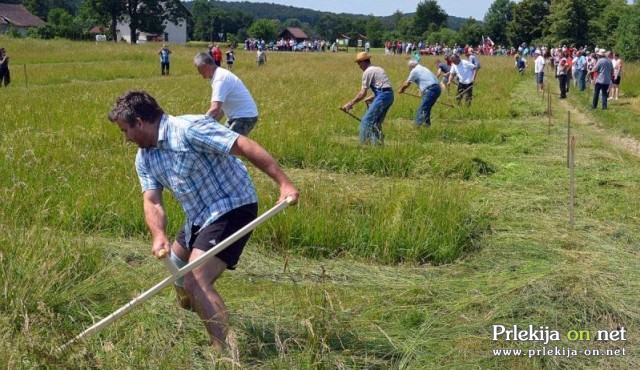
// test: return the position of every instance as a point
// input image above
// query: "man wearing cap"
(539, 64)
(604, 70)
(429, 87)
(465, 71)
(376, 79)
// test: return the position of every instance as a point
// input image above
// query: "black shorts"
(219, 230)
(616, 80)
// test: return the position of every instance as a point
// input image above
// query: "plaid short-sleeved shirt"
(192, 160)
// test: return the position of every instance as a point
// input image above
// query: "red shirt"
(217, 54)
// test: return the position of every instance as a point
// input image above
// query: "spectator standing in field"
(443, 70)
(562, 69)
(261, 57)
(465, 71)
(429, 87)
(474, 60)
(521, 63)
(376, 79)
(196, 160)
(229, 96)
(575, 71)
(231, 58)
(604, 73)
(617, 76)
(5, 75)
(216, 53)
(539, 65)
(581, 66)
(164, 53)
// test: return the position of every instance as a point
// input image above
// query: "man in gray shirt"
(604, 70)
(429, 87)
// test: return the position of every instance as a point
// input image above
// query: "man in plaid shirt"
(195, 158)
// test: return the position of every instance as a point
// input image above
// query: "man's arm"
(215, 111)
(404, 86)
(156, 220)
(260, 158)
(360, 96)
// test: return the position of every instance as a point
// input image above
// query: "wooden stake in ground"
(572, 182)
(568, 137)
(549, 111)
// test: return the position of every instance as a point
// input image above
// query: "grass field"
(404, 256)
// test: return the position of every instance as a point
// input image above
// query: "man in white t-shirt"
(229, 96)
(465, 71)
(539, 64)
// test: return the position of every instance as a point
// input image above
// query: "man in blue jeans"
(376, 79)
(429, 87)
(581, 66)
(604, 70)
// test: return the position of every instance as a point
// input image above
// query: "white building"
(174, 33)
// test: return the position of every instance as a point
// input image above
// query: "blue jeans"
(371, 122)
(604, 88)
(429, 97)
(582, 75)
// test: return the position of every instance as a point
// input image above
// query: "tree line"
(610, 24)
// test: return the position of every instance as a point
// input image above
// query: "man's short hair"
(412, 63)
(135, 104)
(203, 58)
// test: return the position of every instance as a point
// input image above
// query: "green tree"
(429, 17)
(374, 32)
(471, 33)
(445, 36)
(202, 25)
(610, 20)
(63, 24)
(629, 33)
(265, 29)
(566, 23)
(527, 23)
(109, 12)
(291, 22)
(406, 28)
(496, 20)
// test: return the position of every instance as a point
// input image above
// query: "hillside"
(284, 12)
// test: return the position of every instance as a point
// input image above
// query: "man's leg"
(205, 298)
(596, 92)
(459, 92)
(605, 95)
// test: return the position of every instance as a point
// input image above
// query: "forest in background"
(611, 24)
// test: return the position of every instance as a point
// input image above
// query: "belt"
(386, 89)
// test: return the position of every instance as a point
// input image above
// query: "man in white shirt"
(539, 64)
(229, 96)
(465, 71)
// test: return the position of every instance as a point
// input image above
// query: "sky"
(457, 8)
